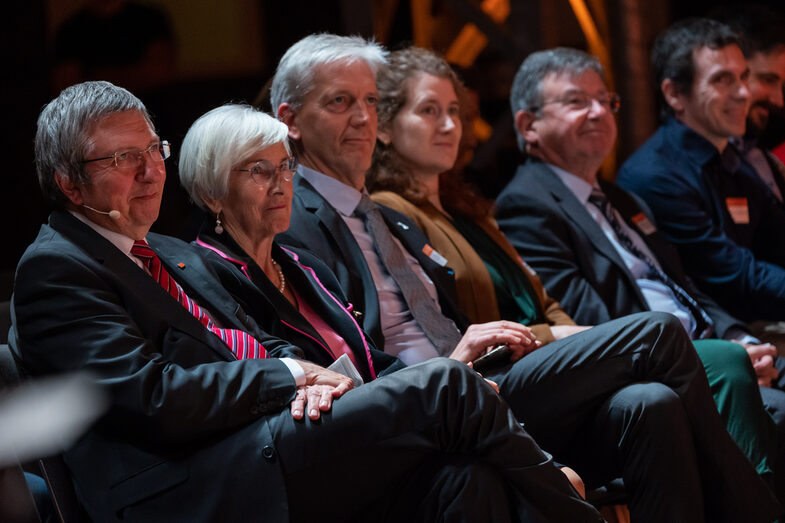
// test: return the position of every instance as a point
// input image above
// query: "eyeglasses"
(580, 101)
(263, 171)
(131, 160)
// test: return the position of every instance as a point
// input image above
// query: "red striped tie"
(242, 344)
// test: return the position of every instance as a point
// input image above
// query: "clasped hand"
(762, 357)
(321, 387)
(479, 338)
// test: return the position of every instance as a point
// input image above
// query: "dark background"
(227, 51)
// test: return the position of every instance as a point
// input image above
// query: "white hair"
(221, 139)
(294, 76)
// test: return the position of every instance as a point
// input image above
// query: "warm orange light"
(471, 41)
(596, 45)
(482, 130)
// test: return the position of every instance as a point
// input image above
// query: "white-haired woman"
(236, 164)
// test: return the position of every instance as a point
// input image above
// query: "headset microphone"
(113, 214)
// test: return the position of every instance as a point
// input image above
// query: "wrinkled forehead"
(565, 80)
(707, 61)
(117, 128)
(768, 62)
(344, 74)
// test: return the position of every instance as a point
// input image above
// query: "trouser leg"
(455, 489)
(346, 463)
(556, 389)
(734, 387)
(635, 423)
(774, 400)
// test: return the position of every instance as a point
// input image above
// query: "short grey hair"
(294, 76)
(220, 139)
(63, 138)
(526, 92)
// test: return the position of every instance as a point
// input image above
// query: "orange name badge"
(643, 223)
(434, 255)
(738, 209)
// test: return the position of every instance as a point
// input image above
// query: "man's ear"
(287, 115)
(673, 96)
(524, 124)
(383, 136)
(71, 191)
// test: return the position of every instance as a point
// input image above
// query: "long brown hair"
(388, 172)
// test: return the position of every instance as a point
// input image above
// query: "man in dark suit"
(324, 90)
(595, 246)
(549, 213)
(197, 430)
(728, 227)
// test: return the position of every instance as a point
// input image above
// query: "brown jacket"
(476, 295)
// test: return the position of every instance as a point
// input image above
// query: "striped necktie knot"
(242, 344)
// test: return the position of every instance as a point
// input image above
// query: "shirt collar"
(697, 148)
(344, 198)
(577, 185)
(121, 241)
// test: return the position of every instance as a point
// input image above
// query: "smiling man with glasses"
(597, 248)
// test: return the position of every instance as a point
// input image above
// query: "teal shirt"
(514, 292)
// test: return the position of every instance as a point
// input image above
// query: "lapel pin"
(181, 265)
(403, 226)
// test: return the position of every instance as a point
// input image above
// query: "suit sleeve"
(165, 386)
(729, 272)
(543, 240)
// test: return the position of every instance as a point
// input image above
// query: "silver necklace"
(281, 278)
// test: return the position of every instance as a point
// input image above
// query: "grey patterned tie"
(703, 322)
(439, 329)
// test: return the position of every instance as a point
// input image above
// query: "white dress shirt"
(658, 296)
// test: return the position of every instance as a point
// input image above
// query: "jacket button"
(268, 452)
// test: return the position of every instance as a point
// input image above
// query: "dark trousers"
(630, 398)
(774, 400)
(432, 442)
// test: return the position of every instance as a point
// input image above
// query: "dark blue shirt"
(729, 229)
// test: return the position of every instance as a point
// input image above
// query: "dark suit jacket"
(317, 227)
(741, 265)
(778, 169)
(555, 234)
(184, 414)
(313, 282)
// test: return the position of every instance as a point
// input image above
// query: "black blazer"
(316, 226)
(313, 282)
(185, 415)
(580, 268)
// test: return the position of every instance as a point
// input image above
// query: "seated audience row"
(416, 92)
(211, 418)
(214, 353)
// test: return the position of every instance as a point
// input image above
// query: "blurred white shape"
(43, 417)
